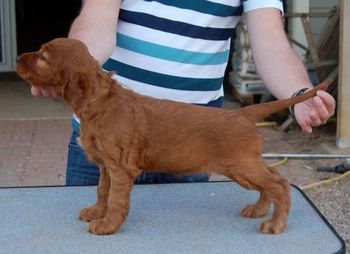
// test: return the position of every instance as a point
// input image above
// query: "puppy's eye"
(43, 58)
(43, 55)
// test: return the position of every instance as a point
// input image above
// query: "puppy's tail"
(259, 111)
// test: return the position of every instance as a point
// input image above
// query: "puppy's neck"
(92, 101)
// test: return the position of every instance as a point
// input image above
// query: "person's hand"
(43, 92)
(315, 111)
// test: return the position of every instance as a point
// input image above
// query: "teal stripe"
(207, 7)
(171, 54)
(162, 80)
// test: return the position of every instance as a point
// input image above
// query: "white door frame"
(8, 45)
(295, 26)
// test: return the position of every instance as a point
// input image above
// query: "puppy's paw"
(273, 227)
(92, 213)
(253, 211)
(102, 227)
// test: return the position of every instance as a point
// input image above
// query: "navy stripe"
(175, 27)
(162, 80)
(207, 7)
(215, 103)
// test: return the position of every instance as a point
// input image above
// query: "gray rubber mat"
(164, 218)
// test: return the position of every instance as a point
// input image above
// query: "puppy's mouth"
(26, 67)
(23, 72)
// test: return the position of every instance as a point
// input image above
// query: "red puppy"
(125, 133)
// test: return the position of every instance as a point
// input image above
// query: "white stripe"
(177, 14)
(200, 97)
(233, 3)
(76, 118)
(172, 40)
(257, 4)
(168, 67)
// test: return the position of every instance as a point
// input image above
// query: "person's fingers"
(54, 95)
(35, 91)
(46, 93)
(328, 101)
(43, 92)
(315, 119)
(322, 110)
(306, 127)
(305, 124)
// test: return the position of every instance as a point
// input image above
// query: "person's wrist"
(297, 93)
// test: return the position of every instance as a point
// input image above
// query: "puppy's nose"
(18, 59)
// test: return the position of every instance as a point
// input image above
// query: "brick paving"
(33, 152)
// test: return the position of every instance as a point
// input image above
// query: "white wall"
(320, 6)
(295, 27)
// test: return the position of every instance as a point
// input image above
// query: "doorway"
(39, 21)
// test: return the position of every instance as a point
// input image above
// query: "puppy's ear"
(73, 90)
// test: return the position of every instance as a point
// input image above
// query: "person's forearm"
(283, 73)
(96, 27)
(278, 65)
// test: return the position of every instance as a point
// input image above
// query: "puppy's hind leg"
(99, 209)
(262, 206)
(279, 191)
(272, 187)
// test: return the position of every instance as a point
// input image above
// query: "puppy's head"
(57, 64)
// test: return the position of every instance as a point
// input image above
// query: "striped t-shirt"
(177, 50)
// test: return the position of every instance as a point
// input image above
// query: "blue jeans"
(80, 171)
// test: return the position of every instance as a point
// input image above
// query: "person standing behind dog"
(178, 50)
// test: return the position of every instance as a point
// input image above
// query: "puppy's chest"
(93, 147)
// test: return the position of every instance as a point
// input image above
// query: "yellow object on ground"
(316, 184)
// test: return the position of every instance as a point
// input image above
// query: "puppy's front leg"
(118, 203)
(99, 209)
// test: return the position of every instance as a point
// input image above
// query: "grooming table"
(164, 218)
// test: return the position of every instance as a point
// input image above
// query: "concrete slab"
(33, 152)
(17, 103)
